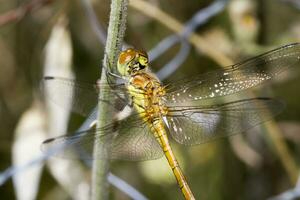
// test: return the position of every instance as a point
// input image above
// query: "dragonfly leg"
(113, 74)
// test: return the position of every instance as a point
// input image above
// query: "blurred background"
(66, 38)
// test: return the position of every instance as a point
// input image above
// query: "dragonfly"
(192, 111)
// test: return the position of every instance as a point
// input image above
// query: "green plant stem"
(116, 30)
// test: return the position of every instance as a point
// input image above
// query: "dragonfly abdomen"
(147, 95)
(158, 128)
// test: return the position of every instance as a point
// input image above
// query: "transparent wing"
(196, 125)
(235, 78)
(129, 139)
(82, 95)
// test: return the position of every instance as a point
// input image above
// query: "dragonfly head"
(132, 61)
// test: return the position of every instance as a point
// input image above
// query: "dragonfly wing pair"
(202, 123)
(235, 78)
(193, 116)
(82, 95)
(128, 139)
(196, 125)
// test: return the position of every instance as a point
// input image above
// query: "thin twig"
(97, 28)
(125, 187)
(199, 42)
(201, 17)
(20, 12)
(294, 3)
(116, 30)
(282, 150)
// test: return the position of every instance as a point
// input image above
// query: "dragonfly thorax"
(147, 95)
(132, 61)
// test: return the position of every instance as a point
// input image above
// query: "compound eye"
(127, 56)
(143, 61)
(143, 54)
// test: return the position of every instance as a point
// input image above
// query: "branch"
(198, 41)
(20, 12)
(116, 30)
